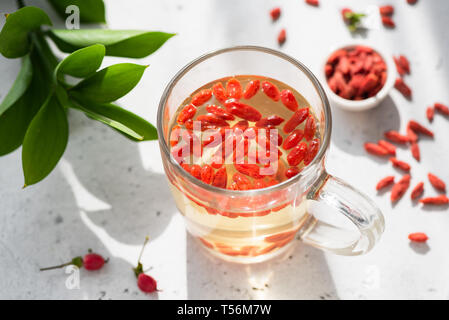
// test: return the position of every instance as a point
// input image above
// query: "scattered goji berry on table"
(412, 1)
(404, 63)
(385, 182)
(437, 182)
(400, 164)
(313, 2)
(440, 200)
(388, 146)
(403, 88)
(419, 128)
(396, 137)
(282, 36)
(430, 112)
(417, 191)
(400, 188)
(399, 68)
(414, 148)
(442, 108)
(386, 10)
(375, 149)
(275, 13)
(388, 22)
(90, 261)
(418, 237)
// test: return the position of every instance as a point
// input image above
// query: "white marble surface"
(107, 193)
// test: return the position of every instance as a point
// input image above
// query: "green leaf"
(110, 83)
(82, 62)
(45, 141)
(90, 10)
(143, 128)
(119, 43)
(14, 121)
(19, 86)
(14, 40)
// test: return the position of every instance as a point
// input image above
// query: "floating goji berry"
(242, 110)
(189, 124)
(296, 119)
(437, 182)
(385, 182)
(242, 125)
(313, 2)
(310, 128)
(388, 22)
(291, 172)
(403, 88)
(417, 191)
(272, 120)
(293, 139)
(386, 10)
(174, 135)
(195, 170)
(201, 97)
(396, 137)
(282, 36)
(418, 236)
(400, 164)
(289, 100)
(206, 174)
(243, 183)
(252, 170)
(388, 146)
(186, 167)
(188, 112)
(442, 108)
(251, 89)
(312, 150)
(419, 128)
(297, 154)
(400, 188)
(220, 178)
(430, 112)
(414, 148)
(219, 92)
(270, 90)
(233, 89)
(375, 149)
(219, 112)
(440, 200)
(179, 152)
(275, 13)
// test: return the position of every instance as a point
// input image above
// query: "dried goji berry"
(189, 124)
(414, 148)
(440, 200)
(201, 97)
(386, 10)
(400, 164)
(195, 170)
(233, 89)
(418, 236)
(242, 125)
(313, 2)
(419, 128)
(385, 182)
(388, 146)
(430, 111)
(291, 172)
(275, 13)
(219, 112)
(206, 174)
(412, 1)
(174, 135)
(293, 139)
(404, 63)
(400, 188)
(251, 89)
(396, 137)
(388, 22)
(437, 182)
(369, 83)
(442, 108)
(417, 191)
(289, 100)
(210, 119)
(243, 183)
(188, 112)
(375, 149)
(219, 92)
(296, 119)
(412, 136)
(272, 120)
(328, 70)
(312, 150)
(310, 128)
(297, 154)
(282, 36)
(398, 66)
(270, 90)
(242, 110)
(251, 170)
(220, 178)
(403, 88)
(186, 167)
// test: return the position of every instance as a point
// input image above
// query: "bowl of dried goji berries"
(358, 77)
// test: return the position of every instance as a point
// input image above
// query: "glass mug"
(255, 225)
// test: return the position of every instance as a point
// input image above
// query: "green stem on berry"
(77, 261)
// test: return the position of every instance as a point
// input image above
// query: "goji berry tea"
(243, 133)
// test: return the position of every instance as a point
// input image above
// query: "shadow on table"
(301, 273)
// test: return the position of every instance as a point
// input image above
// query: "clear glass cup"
(255, 225)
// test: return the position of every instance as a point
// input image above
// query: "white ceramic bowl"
(374, 101)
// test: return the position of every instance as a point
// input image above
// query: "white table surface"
(107, 193)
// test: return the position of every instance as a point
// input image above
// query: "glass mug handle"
(353, 205)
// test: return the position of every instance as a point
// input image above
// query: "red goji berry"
(419, 128)
(328, 70)
(251, 89)
(220, 178)
(233, 89)
(289, 100)
(388, 22)
(313, 2)
(400, 188)
(243, 183)
(344, 13)
(195, 170)
(375, 149)
(219, 92)
(312, 150)
(201, 97)
(386, 10)
(296, 119)
(412, 1)
(404, 63)
(219, 112)
(242, 125)
(210, 119)
(282, 36)
(385, 182)
(275, 13)
(297, 155)
(417, 191)
(291, 172)
(412, 136)
(242, 110)
(430, 112)
(400, 164)
(186, 167)
(388, 146)
(146, 283)
(414, 148)
(398, 66)
(293, 139)
(270, 90)
(188, 112)
(437, 182)
(440, 200)
(403, 88)
(396, 137)
(251, 170)
(189, 124)
(272, 120)
(93, 261)
(418, 236)
(442, 108)
(174, 135)
(310, 128)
